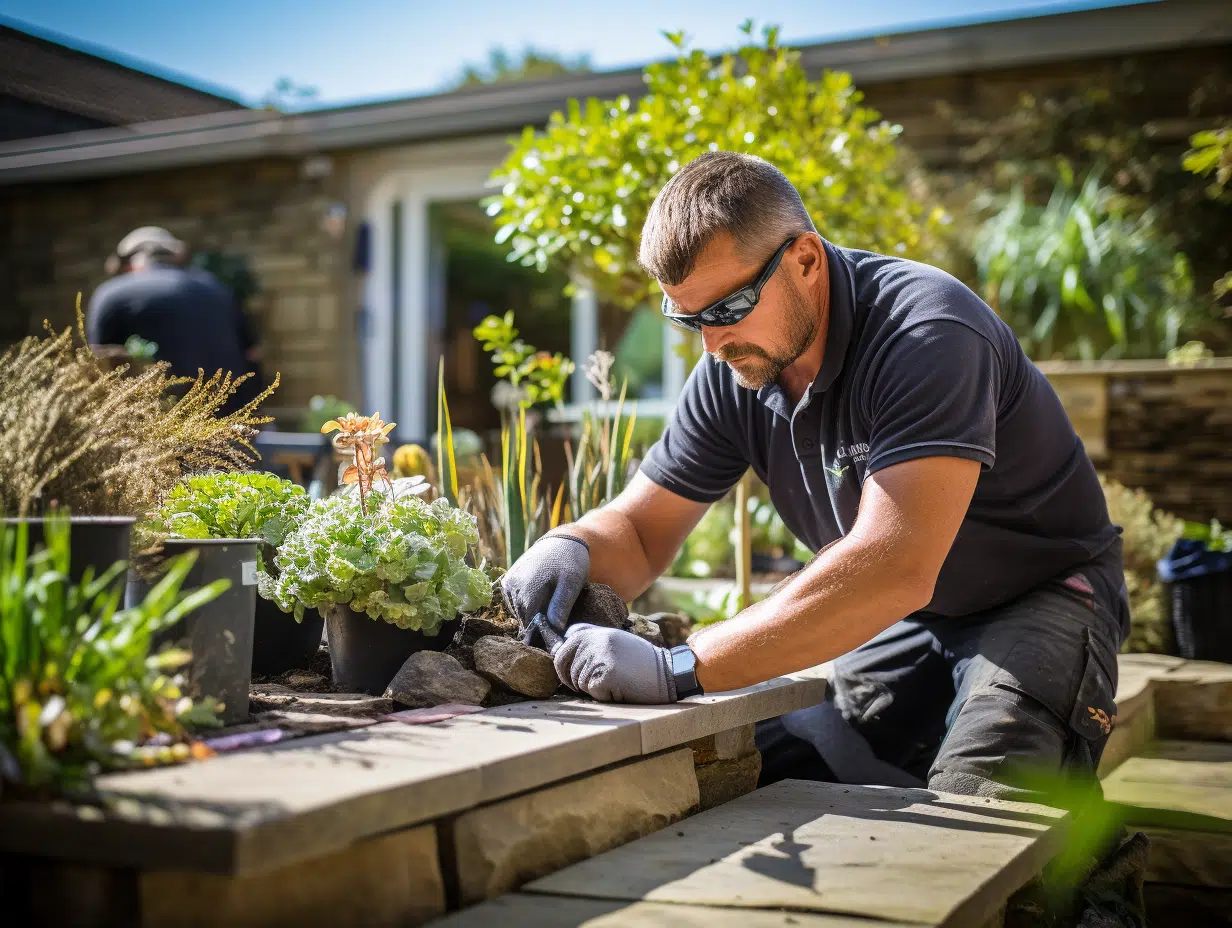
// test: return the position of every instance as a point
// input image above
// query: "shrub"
(401, 560)
(79, 687)
(1081, 278)
(98, 442)
(1147, 535)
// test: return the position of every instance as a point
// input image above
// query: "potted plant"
(388, 572)
(228, 512)
(81, 686)
(106, 445)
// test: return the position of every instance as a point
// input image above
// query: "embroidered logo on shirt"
(837, 471)
(857, 451)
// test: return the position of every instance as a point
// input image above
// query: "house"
(346, 214)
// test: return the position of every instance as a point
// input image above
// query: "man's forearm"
(617, 556)
(848, 594)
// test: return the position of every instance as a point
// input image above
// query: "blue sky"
(355, 50)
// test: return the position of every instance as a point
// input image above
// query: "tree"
(577, 192)
(532, 64)
(286, 95)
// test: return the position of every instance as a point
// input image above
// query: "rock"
(473, 628)
(644, 628)
(515, 665)
(599, 604)
(675, 626)
(732, 744)
(430, 678)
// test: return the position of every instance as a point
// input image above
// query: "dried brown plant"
(99, 442)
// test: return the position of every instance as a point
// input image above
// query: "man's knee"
(1042, 711)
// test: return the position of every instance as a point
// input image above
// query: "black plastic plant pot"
(279, 643)
(366, 654)
(219, 634)
(94, 541)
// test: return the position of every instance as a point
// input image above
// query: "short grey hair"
(722, 191)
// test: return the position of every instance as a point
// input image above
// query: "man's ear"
(811, 256)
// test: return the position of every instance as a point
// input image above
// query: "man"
(968, 583)
(186, 312)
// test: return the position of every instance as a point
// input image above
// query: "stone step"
(1180, 794)
(820, 849)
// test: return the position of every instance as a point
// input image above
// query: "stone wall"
(54, 239)
(1165, 429)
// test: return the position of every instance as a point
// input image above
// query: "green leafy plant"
(536, 376)
(515, 495)
(139, 349)
(80, 689)
(401, 560)
(1147, 534)
(1212, 534)
(321, 409)
(251, 504)
(1080, 278)
(577, 192)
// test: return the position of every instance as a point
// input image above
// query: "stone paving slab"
(523, 910)
(274, 805)
(879, 853)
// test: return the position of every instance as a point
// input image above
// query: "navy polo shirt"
(916, 365)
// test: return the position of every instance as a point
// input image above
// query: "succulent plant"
(401, 560)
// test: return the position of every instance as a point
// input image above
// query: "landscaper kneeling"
(968, 581)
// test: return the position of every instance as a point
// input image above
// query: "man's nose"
(712, 338)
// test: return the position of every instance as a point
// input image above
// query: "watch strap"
(684, 672)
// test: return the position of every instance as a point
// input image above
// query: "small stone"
(515, 665)
(644, 628)
(473, 628)
(598, 604)
(676, 627)
(430, 678)
(306, 681)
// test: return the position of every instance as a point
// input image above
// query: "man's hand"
(547, 579)
(614, 666)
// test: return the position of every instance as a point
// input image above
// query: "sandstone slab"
(392, 880)
(722, 781)
(499, 847)
(431, 678)
(517, 666)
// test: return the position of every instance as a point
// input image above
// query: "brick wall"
(55, 237)
(1166, 430)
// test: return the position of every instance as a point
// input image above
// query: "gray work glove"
(547, 579)
(610, 665)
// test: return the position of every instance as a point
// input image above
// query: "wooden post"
(744, 543)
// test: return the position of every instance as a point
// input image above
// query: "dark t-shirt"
(915, 365)
(188, 313)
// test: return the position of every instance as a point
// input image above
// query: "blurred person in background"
(191, 317)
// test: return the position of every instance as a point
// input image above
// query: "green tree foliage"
(1211, 156)
(1083, 277)
(578, 191)
(532, 64)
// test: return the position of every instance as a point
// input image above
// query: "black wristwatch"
(684, 672)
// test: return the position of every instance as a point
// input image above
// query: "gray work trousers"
(972, 705)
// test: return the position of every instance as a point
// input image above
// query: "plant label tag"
(250, 573)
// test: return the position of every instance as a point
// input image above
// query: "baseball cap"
(149, 239)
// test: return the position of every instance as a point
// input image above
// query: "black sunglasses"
(730, 309)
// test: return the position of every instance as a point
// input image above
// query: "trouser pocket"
(1095, 712)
